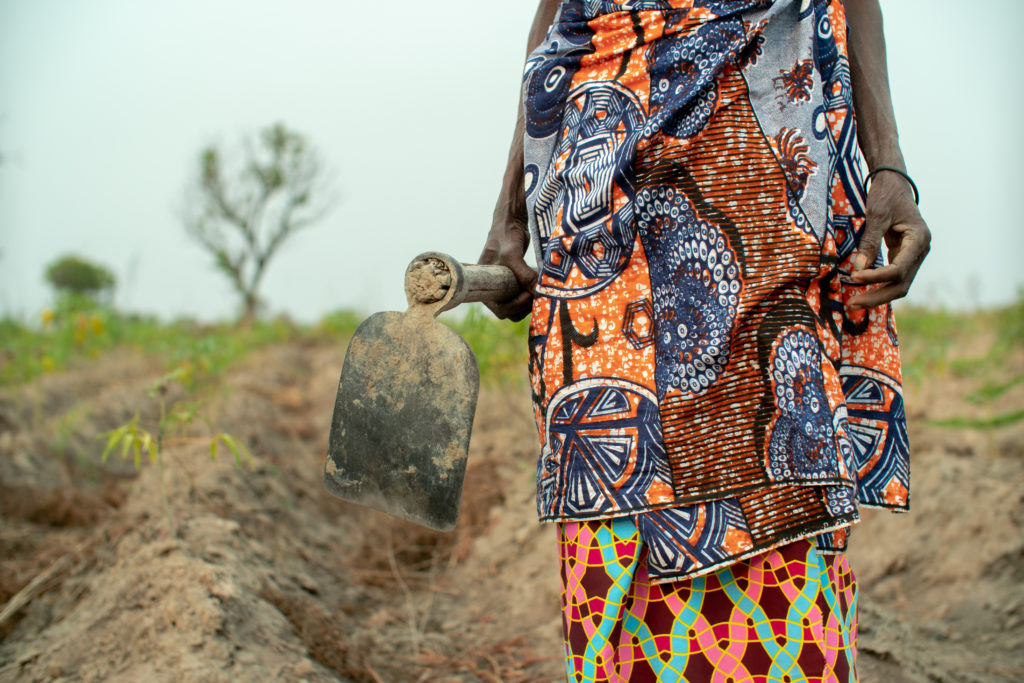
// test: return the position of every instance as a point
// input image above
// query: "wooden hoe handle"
(441, 283)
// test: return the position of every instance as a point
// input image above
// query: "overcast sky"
(104, 105)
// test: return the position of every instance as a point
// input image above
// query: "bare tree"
(242, 217)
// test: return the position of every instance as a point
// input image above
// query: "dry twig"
(45, 581)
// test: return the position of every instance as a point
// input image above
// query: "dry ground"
(263, 576)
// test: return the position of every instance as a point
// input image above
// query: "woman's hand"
(506, 245)
(893, 216)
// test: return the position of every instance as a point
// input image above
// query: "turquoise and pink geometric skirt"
(786, 615)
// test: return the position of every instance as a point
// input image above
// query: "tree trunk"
(252, 303)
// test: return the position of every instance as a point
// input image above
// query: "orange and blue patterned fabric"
(783, 616)
(695, 198)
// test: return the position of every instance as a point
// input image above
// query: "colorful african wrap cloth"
(695, 196)
(787, 615)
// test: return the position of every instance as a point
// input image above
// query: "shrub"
(74, 275)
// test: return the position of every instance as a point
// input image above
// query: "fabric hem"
(895, 509)
(710, 569)
(693, 500)
(618, 514)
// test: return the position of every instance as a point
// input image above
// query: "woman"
(713, 357)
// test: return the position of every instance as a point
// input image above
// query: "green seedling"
(134, 440)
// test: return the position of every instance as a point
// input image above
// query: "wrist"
(894, 174)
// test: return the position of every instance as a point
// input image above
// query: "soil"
(259, 574)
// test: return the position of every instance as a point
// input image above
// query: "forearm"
(511, 201)
(876, 121)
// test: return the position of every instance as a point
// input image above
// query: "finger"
(905, 260)
(513, 309)
(889, 273)
(875, 226)
(877, 297)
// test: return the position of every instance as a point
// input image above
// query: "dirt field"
(263, 576)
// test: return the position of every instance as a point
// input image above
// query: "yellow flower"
(48, 364)
(47, 316)
(97, 324)
(81, 326)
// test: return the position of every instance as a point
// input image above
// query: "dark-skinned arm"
(892, 214)
(509, 236)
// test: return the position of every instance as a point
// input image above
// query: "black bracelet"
(917, 197)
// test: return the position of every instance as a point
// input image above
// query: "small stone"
(303, 669)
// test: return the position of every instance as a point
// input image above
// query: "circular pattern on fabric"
(531, 176)
(696, 282)
(684, 539)
(820, 123)
(697, 113)
(839, 500)
(825, 28)
(825, 51)
(802, 444)
(684, 90)
(599, 133)
(796, 212)
(550, 82)
(661, 209)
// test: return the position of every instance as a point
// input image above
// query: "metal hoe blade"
(406, 399)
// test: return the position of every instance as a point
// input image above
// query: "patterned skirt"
(788, 614)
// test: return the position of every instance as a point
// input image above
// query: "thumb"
(870, 241)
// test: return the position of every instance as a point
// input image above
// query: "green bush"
(74, 275)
